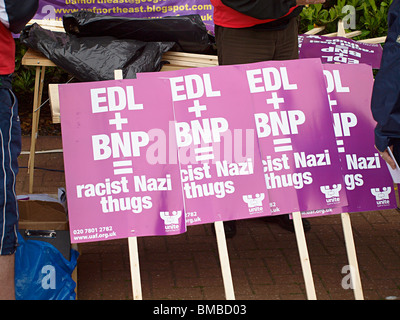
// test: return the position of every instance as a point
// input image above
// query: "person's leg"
(247, 45)
(240, 46)
(10, 147)
(287, 44)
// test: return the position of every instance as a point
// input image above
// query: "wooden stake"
(135, 269)
(118, 75)
(304, 259)
(341, 32)
(224, 260)
(315, 30)
(132, 243)
(37, 98)
(348, 233)
(374, 40)
(352, 257)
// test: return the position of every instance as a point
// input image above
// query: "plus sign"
(118, 121)
(331, 102)
(275, 100)
(197, 108)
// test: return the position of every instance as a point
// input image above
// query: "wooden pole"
(135, 268)
(304, 259)
(37, 98)
(224, 260)
(352, 257)
(132, 244)
(341, 32)
(348, 233)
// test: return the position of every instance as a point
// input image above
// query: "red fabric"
(230, 18)
(7, 51)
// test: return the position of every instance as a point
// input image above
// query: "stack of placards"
(340, 50)
(153, 155)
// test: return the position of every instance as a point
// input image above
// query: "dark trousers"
(10, 148)
(247, 45)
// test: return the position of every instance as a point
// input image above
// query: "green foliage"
(374, 18)
(24, 78)
(371, 16)
(24, 81)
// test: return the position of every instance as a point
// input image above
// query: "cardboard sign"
(150, 156)
(369, 185)
(340, 50)
(119, 185)
(368, 182)
(301, 164)
(221, 169)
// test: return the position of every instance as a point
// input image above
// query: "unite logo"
(331, 195)
(255, 204)
(381, 197)
(171, 220)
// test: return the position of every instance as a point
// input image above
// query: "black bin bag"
(187, 31)
(96, 58)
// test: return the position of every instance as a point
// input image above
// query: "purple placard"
(119, 180)
(369, 185)
(340, 50)
(219, 143)
(297, 142)
(221, 169)
(56, 9)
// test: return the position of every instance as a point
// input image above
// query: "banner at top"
(56, 9)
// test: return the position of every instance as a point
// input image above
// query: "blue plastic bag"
(42, 272)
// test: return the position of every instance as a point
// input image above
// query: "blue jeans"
(10, 148)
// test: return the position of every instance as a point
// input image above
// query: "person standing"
(14, 14)
(248, 31)
(385, 101)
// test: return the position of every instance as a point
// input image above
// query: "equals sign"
(122, 167)
(282, 145)
(340, 143)
(204, 153)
